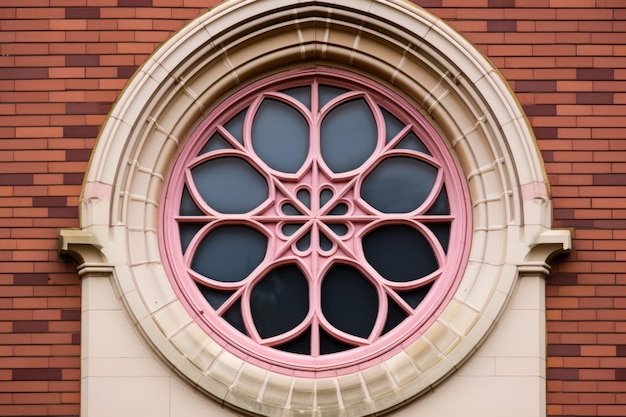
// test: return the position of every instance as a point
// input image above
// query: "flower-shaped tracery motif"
(315, 220)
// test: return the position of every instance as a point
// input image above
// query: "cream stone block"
(97, 294)
(478, 366)
(188, 402)
(459, 317)
(172, 318)
(529, 294)
(518, 335)
(250, 381)
(135, 218)
(104, 171)
(302, 396)
(442, 337)
(327, 395)
(137, 239)
(128, 397)
(480, 291)
(403, 367)
(124, 367)
(112, 336)
(480, 397)
(154, 286)
(277, 389)
(520, 367)
(354, 395)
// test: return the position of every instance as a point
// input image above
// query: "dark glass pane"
(234, 317)
(395, 315)
(229, 253)
(279, 301)
(339, 210)
(415, 297)
(348, 136)
(329, 344)
(412, 142)
(230, 185)
(442, 232)
(216, 142)
(235, 125)
(441, 205)
(325, 196)
(327, 93)
(280, 136)
(187, 206)
(290, 210)
(301, 344)
(398, 184)
(215, 297)
(305, 197)
(339, 229)
(187, 232)
(399, 253)
(325, 243)
(290, 229)
(349, 301)
(302, 94)
(305, 242)
(393, 126)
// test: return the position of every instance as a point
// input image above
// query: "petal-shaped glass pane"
(229, 253)
(301, 344)
(393, 126)
(349, 301)
(348, 135)
(280, 301)
(398, 184)
(230, 185)
(399, 253)
(330, 344)
(395, 315)
(327, 93)
(280, 136)
(187, 233)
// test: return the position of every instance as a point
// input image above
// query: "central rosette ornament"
(313, 220)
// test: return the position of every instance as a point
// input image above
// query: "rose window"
(315, 223)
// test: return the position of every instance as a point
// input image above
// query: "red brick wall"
(63, 63)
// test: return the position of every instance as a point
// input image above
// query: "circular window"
(314, 221)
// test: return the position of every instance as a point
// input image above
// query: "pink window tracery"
(314, 222)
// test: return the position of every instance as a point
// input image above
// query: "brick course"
(63, 63)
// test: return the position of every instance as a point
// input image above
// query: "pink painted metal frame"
(360, 219)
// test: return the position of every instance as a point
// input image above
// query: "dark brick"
(125, 72)
(73, 178)
(546, 132)
(134, 3)
(620, 374)
(87, 108)
(548, 156)
(537, 86)
(31, 279)
(77, 154)
(16, 179)
(76, 338)
(49, 201)
(35, 374)
(70, 315)
(563, 350)
(82, 60)
(609, 179)
(18, 73)
(80, 131)
(427, 3)
(594, 98)
(30, 326)
(63, 212)
(621, 351)
(562, 374)
(501, 25)
(562, 278)
(501, 3)
(595, 74)
(610, 224)
(564, 213)
(82, 13)
(540, 110)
